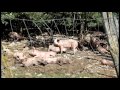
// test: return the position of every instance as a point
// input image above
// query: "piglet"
(107, 62)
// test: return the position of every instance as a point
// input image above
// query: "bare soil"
(84, 64)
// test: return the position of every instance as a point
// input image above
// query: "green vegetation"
(37, 16)
(7, 72)
(91, 19)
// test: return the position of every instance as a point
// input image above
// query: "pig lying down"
(102, 50)
(31, 61)
(38, 61)
(52, 60)
(55, 49)
(42, 54)
(19, 56)
(68, 43)
(16, 36)
(56, 60)
(107, 62)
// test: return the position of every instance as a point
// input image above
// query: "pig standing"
(69, 43)
(55, 49)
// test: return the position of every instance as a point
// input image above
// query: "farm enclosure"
(85, 63)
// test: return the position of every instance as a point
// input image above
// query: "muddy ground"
(84, 64)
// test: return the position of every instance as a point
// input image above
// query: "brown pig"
(15, 35)
(102, 50)
(98, 33)
(87, 38)
(68, 43)
(94, 42)
(107, 47)
(55, 49)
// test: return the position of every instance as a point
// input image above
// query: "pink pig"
(107, 62)
(55, 49)
(19, 56)
(42, 54)
(69, 43)
(31, 61)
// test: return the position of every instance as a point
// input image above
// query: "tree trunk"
(116, 25)
(112, 38)
(80, 36)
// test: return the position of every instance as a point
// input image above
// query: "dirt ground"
(84, 64)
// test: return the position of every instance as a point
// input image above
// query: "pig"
(95, 42)
(42, 54)
(107, 62)
(107, 47)
(51, 53)
(36, 61)
(55, 49)
(102, 50)
(19, 56)
(31, 61)
(69, 43)
(98, 33)
(7, 51)
(55, 60)
(16, 36)
(62, 61)
(87, 38)
(51, 60)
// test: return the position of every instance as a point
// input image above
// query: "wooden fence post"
(112, 38)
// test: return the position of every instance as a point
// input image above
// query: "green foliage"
(5, 16)
(38, 16)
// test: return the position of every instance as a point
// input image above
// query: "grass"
(7, 72)
(52, 75)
